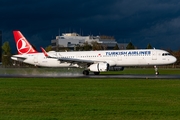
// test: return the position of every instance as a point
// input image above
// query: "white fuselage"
(121, 58)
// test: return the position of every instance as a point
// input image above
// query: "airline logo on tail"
(23, 46)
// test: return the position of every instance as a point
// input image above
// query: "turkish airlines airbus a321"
(94, 61)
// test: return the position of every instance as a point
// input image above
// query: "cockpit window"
(166, 54)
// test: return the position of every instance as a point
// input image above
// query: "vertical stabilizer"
(22, 45)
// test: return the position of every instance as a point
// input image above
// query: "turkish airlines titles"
(130, 53)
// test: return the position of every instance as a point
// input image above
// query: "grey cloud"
(141, 21)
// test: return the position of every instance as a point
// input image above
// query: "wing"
(70, 60)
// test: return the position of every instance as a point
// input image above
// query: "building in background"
(70, 40)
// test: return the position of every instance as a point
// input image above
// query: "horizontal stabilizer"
(18, 58)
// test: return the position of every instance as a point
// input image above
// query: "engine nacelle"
(116, 68)
(99, 67)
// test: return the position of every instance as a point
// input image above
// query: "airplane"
(94, 61)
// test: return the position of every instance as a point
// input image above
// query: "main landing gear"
(86, 72)
(96, 73)
(156, 70)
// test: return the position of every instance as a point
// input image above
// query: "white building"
(70, 40)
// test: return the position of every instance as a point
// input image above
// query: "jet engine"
(99, 67)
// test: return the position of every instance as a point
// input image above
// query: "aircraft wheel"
(96, 73)
(85, 72)
(157, 73)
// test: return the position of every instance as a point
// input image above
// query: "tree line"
(7, 62)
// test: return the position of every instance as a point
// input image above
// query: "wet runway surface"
(92, 76)
(74, 73)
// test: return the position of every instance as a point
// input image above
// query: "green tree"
(78, 47)
(87, 46)
(149, 46)
(48, 48)
(116, 47)
(97, 46)
(177, 55)
(6, 55)
(59, 48)
(130, 46)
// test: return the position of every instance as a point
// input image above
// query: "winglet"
(45, 53)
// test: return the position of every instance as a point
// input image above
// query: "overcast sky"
(140, 21)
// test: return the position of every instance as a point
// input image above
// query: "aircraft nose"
(174, 59)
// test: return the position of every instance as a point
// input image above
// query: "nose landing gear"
(156, 70)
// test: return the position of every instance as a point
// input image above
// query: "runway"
(77, 73)
(92, 76)
(138, 76)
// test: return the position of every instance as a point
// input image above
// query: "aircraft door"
(78, 56)
(154, 55)
(35, 59)
(119, 58)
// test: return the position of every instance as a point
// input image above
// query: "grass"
(87, 99)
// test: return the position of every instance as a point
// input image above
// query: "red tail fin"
(23, 46)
